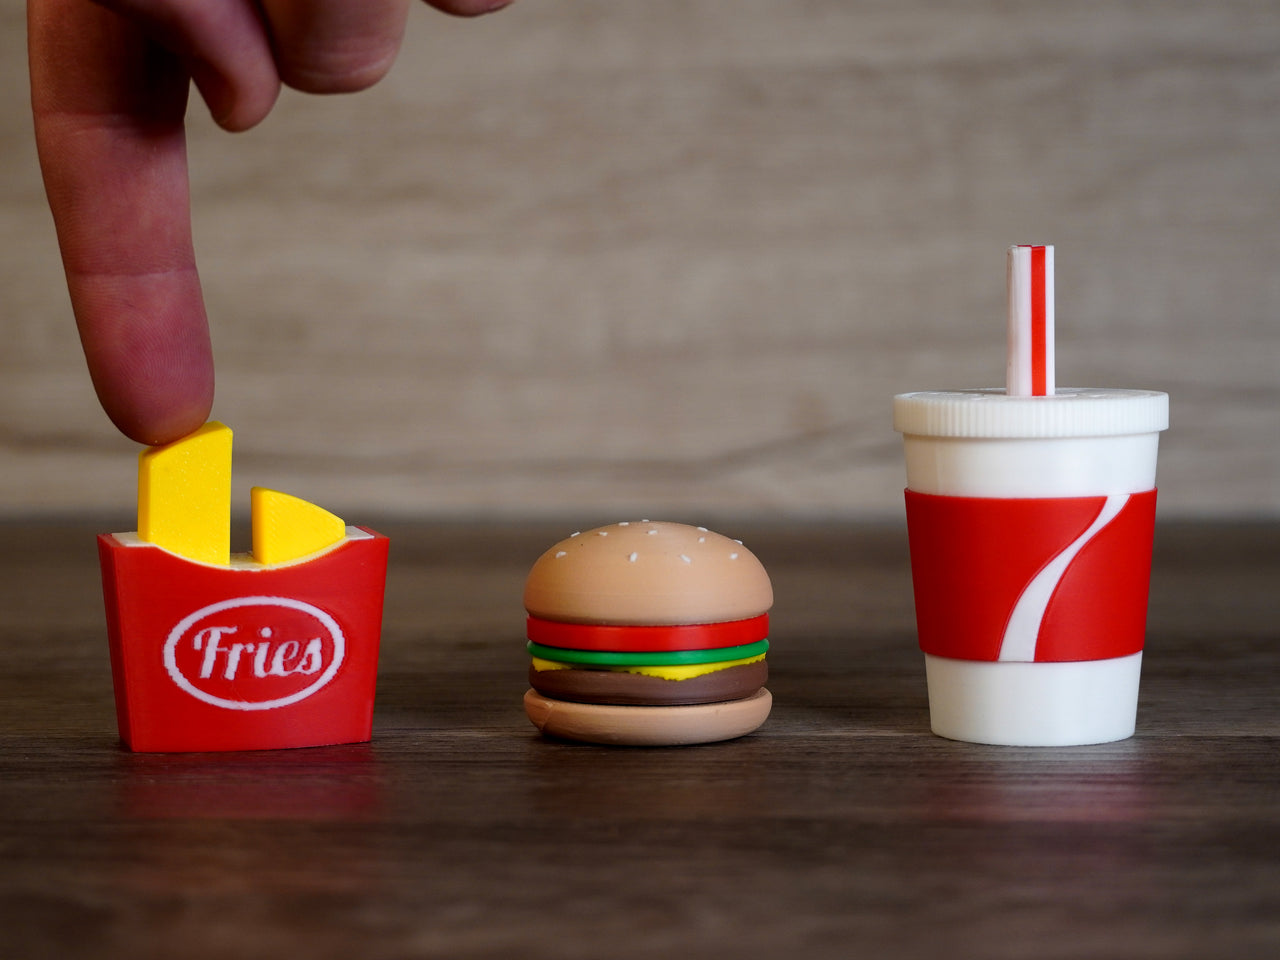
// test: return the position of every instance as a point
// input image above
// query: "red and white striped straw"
(1030, 364)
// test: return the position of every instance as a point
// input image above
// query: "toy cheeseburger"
(215, 651)
(646, 633)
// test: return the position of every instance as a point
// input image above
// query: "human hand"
(109, 85)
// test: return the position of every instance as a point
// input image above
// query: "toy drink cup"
(1030, 520)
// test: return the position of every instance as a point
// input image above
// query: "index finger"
(108, 107)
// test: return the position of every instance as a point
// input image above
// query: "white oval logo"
(254, 653)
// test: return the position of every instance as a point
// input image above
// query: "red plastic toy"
(231, 653)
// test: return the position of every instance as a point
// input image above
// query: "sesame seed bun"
(647, 573)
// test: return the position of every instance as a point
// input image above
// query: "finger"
(225, 47)
(108, 107)
(335, 46)
(469, 8)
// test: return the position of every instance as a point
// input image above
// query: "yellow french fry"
(184, 505)
(184, 495)
(286, 528)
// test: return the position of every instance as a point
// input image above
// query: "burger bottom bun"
(635, 689)
(647, 726)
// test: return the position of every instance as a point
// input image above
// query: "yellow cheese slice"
(286, 528)
(184, 495)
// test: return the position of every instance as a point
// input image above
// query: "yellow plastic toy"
(184, 506)
(286, 528)
(184, 495)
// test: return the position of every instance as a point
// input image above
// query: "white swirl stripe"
(1023, 629)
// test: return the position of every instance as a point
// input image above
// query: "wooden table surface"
(843, 828)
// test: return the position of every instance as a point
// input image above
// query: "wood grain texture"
(843, 827)
(668, 255)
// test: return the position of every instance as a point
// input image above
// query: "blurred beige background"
(674, 257)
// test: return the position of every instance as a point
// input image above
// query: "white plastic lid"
(988, 412)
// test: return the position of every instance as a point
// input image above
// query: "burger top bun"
(647, 573)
